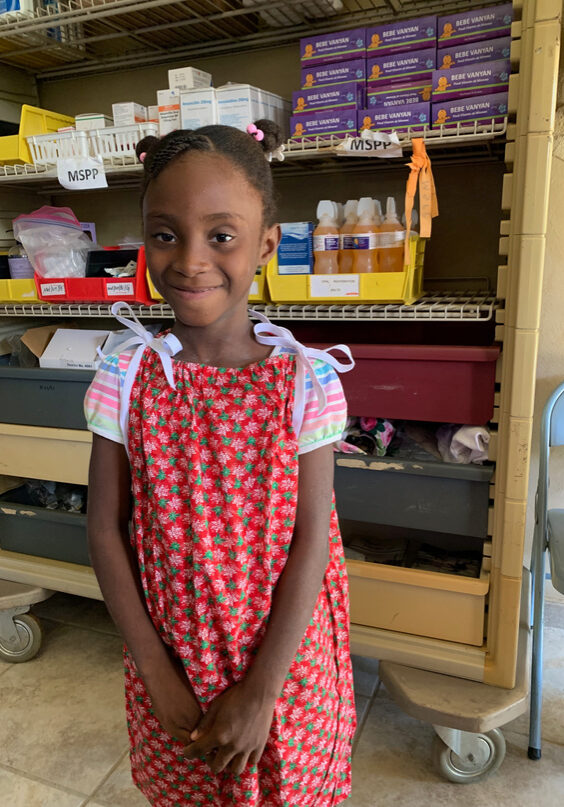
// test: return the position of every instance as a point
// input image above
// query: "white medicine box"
(73, 349)
(92, 120)
(188, 78)
(198, 108)
(169, 111)
(129, 113)
(238, 105)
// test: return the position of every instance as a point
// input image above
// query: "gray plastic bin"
(43, 397)
(54, 534)
(411, 493)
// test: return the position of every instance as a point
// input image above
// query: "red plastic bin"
(97, 289)
(422, 382)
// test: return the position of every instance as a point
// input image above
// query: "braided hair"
(246, 154)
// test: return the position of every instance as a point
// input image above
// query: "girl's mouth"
(199, 291)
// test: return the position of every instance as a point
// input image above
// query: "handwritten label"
(334, 286)
(371, 144)
(81, 173)
(119, 289)
(254, 288)
(52, 289)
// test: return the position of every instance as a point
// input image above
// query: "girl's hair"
(244, 151)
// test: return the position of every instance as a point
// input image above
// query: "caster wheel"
(30, 635)
(486, 757)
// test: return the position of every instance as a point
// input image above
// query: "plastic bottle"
(391, 240)
(366, 235)
(346, 246)
(326, 240)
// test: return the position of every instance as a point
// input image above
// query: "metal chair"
(548, 535)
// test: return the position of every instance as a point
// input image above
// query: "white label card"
(52, 289)
(254, 287)
(81, 173)
(334, 286)
(371, 144)
(117, 289)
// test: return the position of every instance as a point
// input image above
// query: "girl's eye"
(223, 238)
(165, 238)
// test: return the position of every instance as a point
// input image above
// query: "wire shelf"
(433, 306)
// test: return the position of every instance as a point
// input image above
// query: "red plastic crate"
(97, 289)
(438, 383)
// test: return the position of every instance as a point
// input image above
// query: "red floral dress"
(215, 478)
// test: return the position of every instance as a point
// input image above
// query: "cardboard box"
(401, 36)
(342, 96)
(295, 251)
(336, 47)
(188, 78)
(128, 113)
(489, 51)
(398, 94)
(240, 104)
(325, 75)
(73, 349)
(153, 113)
(92, 120)
(473, 26)
(481, 109)
(393, 118)
(413, 67)
(198, 108)
(474, 79)
(169, 111)
(324, 123)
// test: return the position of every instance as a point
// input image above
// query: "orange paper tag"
(421, 172)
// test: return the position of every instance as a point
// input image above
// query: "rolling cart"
(20, 632)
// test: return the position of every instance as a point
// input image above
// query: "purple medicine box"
(342, 96)
(460, 55)
(467, 110)
(391, 118)
(473, 26)
(324, 123)
(414, 67)
(401, 36)
(474, 79)
(398, 94)
(336, 47)
(338, 73)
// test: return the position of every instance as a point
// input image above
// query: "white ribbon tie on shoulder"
(266, 333)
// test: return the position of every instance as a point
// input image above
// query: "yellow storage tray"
(433, 604)
(378, 287)
(62, 455)
(19, 291)
(259, 287)
(33, 121)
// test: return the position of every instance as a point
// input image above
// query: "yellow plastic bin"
(378, 287)
(19, 291)
(33, 121)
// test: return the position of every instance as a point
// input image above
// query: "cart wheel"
(485, 758)
(30, 635)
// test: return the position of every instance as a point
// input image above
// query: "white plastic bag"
(54, 241)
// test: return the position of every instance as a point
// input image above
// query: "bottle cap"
(391, 214)
(326, 210)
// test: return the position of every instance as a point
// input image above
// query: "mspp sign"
(81, 173)
(371, 144)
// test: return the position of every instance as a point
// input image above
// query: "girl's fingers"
(222, 759)
(239, 763)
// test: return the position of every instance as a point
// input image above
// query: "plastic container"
(326, 240)
(437, 383)
(33, 121)
(120, 141)
(41, 397)
(392, 237)
(20, 266)
(346, 247)
(46, 149)
(31, 530)
(19, 291)
(365, 256)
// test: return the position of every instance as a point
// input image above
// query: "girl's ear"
(269, 243)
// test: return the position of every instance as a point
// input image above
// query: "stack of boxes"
(411, 73)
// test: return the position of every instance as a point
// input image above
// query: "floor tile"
(119, 790)
(62, 714)
(365, 672)
(552, 727)
(393, 766)
(78, 611)
(18, 791)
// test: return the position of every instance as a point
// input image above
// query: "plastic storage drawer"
(43, 397)
(30, 530)
(423, 495)
(422, 382)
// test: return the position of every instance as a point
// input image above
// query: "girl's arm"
(109, 509)
(239, 720)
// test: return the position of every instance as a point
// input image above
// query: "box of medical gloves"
(474, 79)
(401, 36)
(341, 96)
(480, 109)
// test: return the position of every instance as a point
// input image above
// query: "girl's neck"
(226, 343)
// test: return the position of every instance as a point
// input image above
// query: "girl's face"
(204, 237)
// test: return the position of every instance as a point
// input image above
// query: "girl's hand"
(174, 703)
(236, 727)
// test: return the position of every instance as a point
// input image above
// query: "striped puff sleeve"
(326, 427)
(102, 401)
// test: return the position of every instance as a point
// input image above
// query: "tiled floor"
(63, 741)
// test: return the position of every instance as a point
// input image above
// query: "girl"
(212, 527)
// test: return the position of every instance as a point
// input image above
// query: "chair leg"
(538, 564)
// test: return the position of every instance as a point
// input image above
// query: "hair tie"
(142, 156)
(258, 134)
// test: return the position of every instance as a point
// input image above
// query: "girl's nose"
(191, 259)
